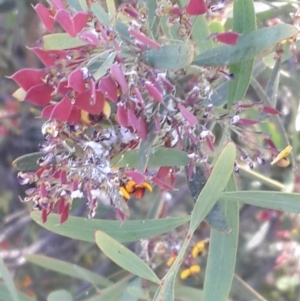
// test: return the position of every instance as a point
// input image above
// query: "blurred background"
(268, 239)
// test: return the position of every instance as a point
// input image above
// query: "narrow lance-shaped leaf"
(152, 18)
(60, 41)
(222, 253)
(113, 292)
(5, 275)
(147, 157)
(100, 13)
(123, 257)
(248, 46)
(102, 70)
(83, 229)
(68, 269)
(286, 202)
(244, 21)
(273, 83)
(5, 294)
(27, 162)
(215, 185)
(170, 57)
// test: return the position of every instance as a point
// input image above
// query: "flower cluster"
(103, 95)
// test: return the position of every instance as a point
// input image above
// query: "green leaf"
(111, 8)
(5, 275)
(113, 292)
(215, 26)
(222, 254)
(123, 257)
(60, 41)
(84, 229)
(215, 217)
(100, 13)
(5, 294)
(200, 34)
(170, 57)
(135, 291)
(166, 291)
(287, 202)
(68, 269)
(27, 162)
(60, 295)
(83, 4)
(273, 83)
(186, 293)
(216, 183)
(153, 20)
(159, 156)
(248, 46)
(243, 22)
(144, 151)
(105, 66)
(75, 4)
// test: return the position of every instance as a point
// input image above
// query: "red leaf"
(122, 116)
(108, 87)
(247, 121)
(39, 95)
(63, 88)
(196, 7)
(142, 129)
(65, 213)
(133, 120)
(90, 36)
(49, 57)
(187, 115)
(143, 38)
(58, 4)
(79, 21)
(44, 215)
(270, 110)
(76, 81)
(139, 96)
(163, 172)
(154, 92)
(83, 102)
(162, 184)
(75, 116)
(63, 17)
(228, 37)
(62, 110)
(117, 73)
(210, 143)
(46, 112)
(61, 203)
(45, 15)
(43, 191)
(28, 77)
(63, 177)
(71, 24)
